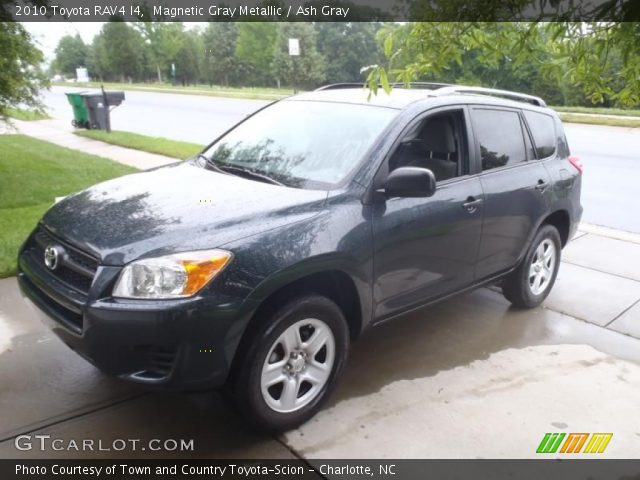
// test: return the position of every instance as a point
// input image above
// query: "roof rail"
(448, 89)
(522, 97)
(334, 86)
(429, 85)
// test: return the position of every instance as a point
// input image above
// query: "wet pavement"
(469, 377)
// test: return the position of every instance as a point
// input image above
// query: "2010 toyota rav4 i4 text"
(254, 265)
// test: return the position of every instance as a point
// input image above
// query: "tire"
(529, 284)
(276, 387)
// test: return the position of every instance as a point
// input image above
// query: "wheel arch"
(347, 289)
(562, 222)
(334, 283)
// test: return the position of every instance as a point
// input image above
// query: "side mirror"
(410, 182)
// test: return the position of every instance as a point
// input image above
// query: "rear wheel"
(531, 282)
(292, 363)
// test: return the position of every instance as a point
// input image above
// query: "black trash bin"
(98, 104)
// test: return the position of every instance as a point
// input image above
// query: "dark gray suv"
(254, 265)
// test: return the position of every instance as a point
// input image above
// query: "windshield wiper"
(246, 172)
(208, 163)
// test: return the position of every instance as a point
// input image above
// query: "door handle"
(472, 203)
(541, 186)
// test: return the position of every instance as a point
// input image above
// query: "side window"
(543, 131)
(501, 138)
(438, 143)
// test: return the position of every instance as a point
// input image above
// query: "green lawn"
(600, 110)
(21, 114)
(614, 122)
(256, 93)
(32, 174)
(163, 146)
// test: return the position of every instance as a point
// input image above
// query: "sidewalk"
(60, 132)
(599, 281)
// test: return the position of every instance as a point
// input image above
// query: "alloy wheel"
(542, 266)
(298, 365)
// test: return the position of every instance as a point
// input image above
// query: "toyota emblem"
(51, 256)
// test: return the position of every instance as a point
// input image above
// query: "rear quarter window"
(542, 129)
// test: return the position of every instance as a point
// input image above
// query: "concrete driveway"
(467, 378)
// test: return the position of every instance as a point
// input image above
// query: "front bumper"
(186, 344)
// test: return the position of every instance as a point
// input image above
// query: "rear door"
(516, 187)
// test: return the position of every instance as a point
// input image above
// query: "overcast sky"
(48, 34)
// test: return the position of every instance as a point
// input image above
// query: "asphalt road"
(193, 118)
(610, 154)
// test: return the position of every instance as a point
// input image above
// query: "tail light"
(575, 161)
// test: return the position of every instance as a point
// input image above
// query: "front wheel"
(292, 363)
(529, 284)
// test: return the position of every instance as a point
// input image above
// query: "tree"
(21, 76)
(219, 41)
(305, 70)
(254, 48)
(163, 41)
(600, 58)
(117, 52)
(347, 47)
(188, 58)
(71, 53)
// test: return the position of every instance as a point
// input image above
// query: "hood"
(176, 208)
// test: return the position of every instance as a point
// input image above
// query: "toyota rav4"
(255, 264)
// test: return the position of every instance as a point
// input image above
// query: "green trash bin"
(80, 110)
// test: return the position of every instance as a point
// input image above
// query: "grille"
(76, 269)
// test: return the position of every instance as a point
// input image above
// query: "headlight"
(173, 276)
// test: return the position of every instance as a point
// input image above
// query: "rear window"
(543, 131)
(500, 135)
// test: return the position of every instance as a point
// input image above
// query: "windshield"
(301, 144)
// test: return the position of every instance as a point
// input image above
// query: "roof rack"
(448, 89)
(430, 85)
(522, 97)
(334, 86)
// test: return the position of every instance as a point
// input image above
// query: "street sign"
(82, 75)
(294, 46)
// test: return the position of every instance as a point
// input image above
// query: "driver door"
(428, 247)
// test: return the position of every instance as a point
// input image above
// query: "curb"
(609, 232)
